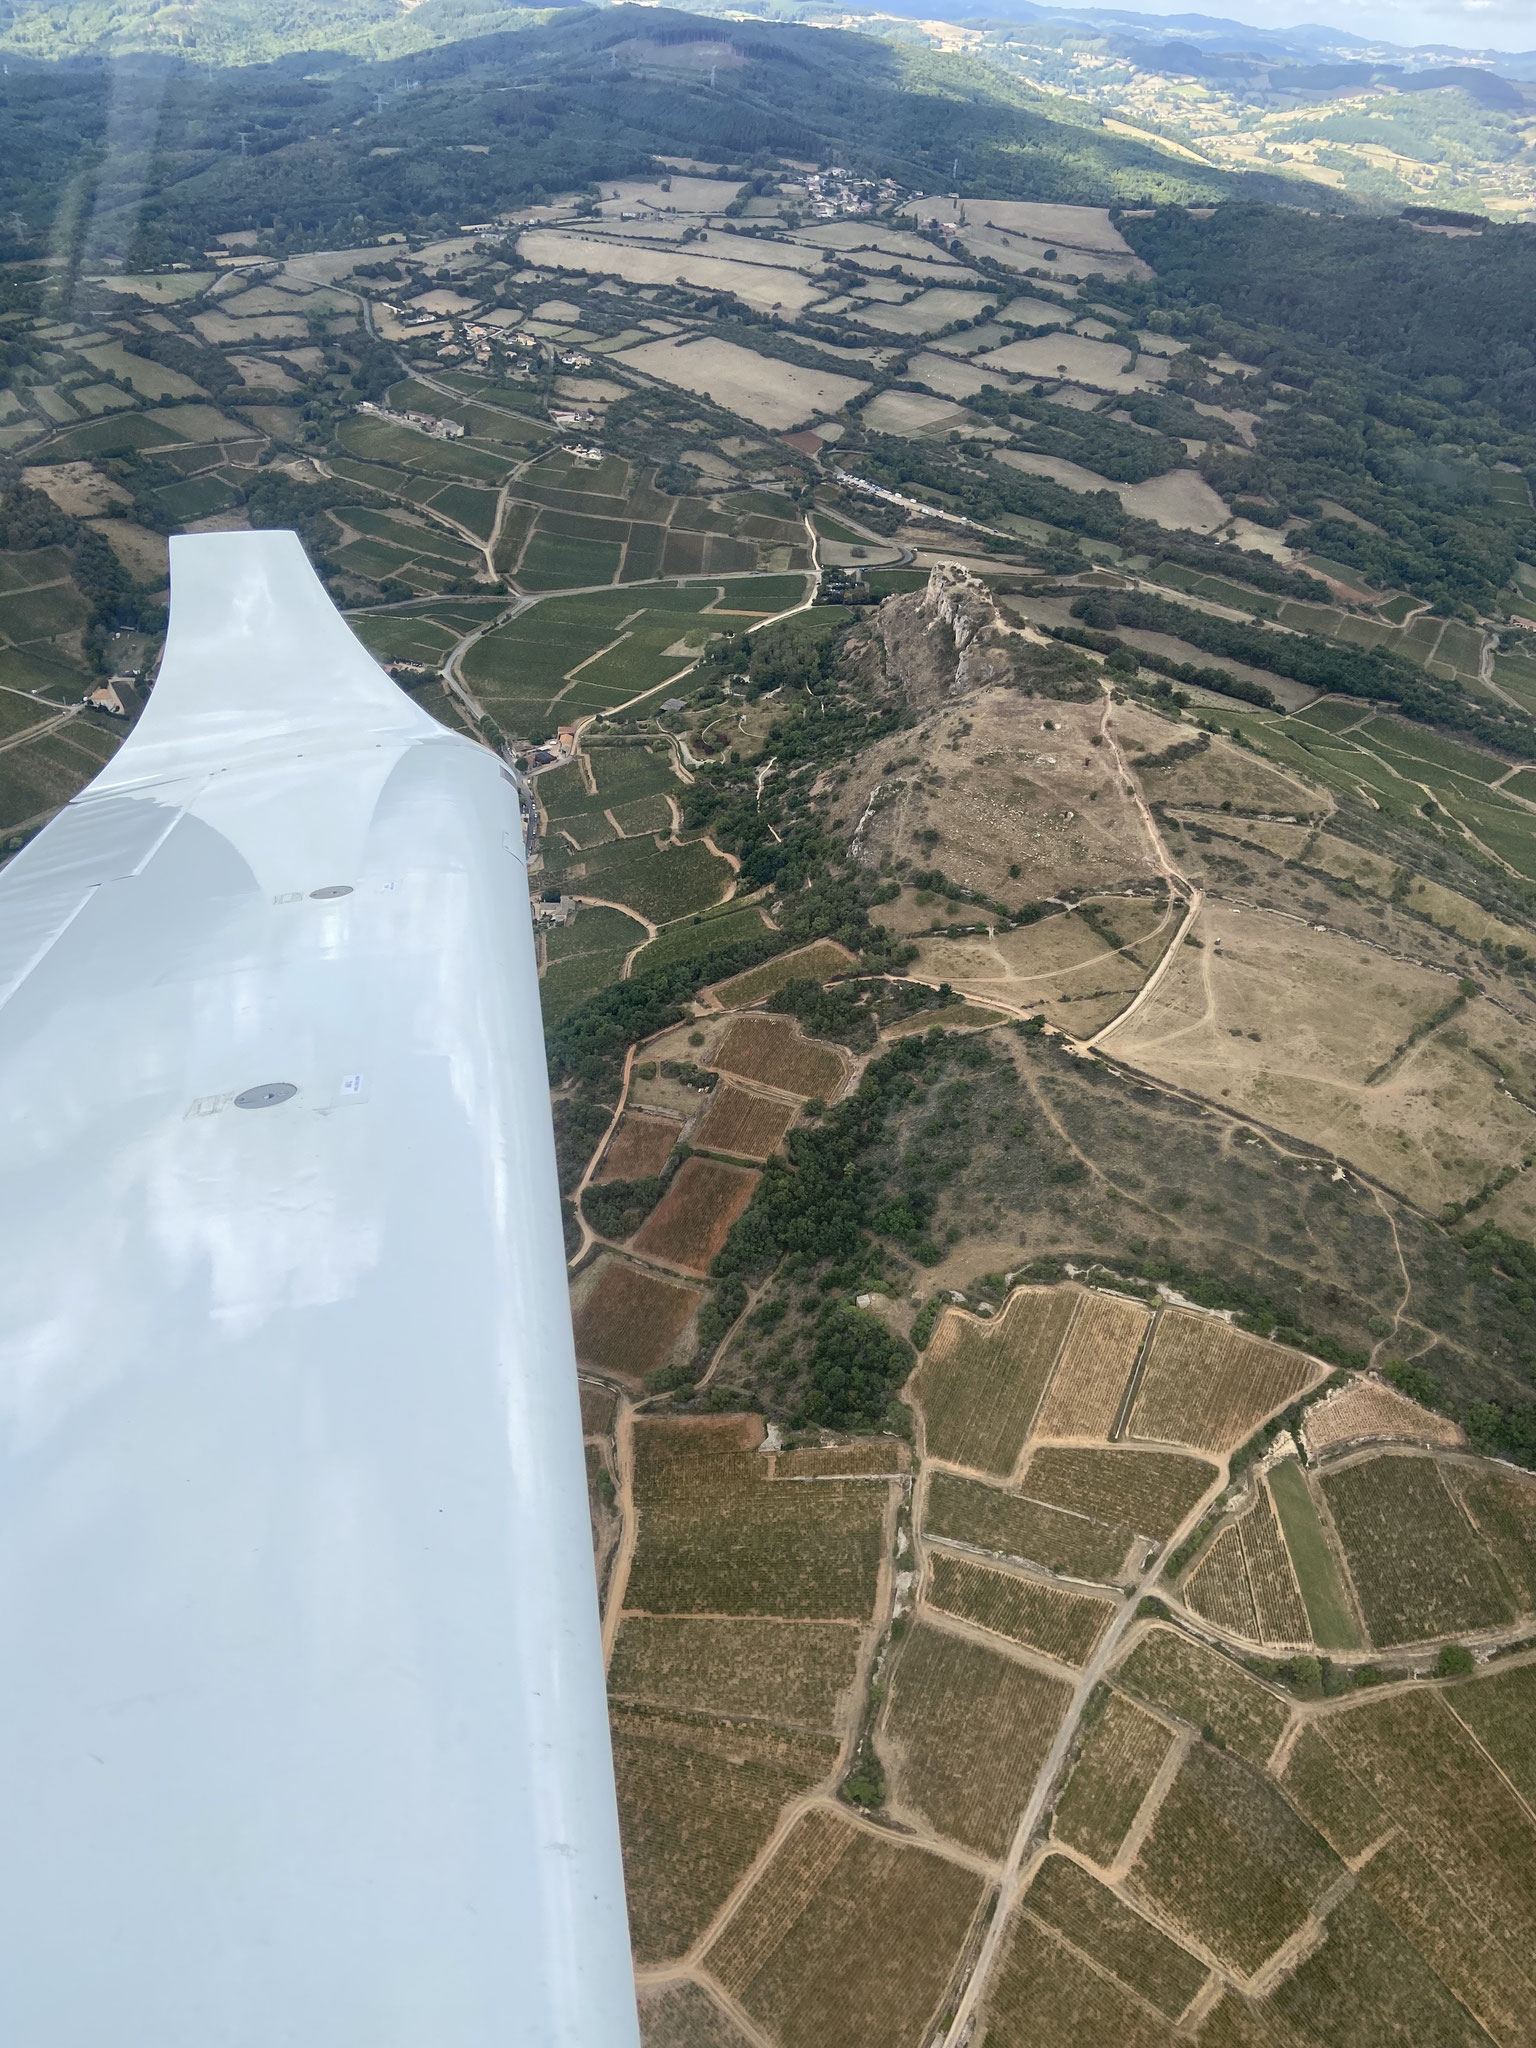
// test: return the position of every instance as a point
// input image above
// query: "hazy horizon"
(1463, 24)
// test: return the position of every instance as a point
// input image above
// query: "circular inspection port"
(266, 1095)
(332, 889)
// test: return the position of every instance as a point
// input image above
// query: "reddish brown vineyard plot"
(1094, 1369)
(1122, 1753)
(980, 1383)
(1210, 1386)
(746, 1125)
(847, 1938)
(1028, 1611)
(627, 1321)
(694, 1217)
(639, 1147)
(987, 1517)
(771, 1051)
(965, 1731)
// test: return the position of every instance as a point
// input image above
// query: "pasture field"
(980, 1383)
(1317, 1571)
(639, 1147)
(693, 1218)
(1419, 1567)
(1366, 1411)
(1504, 1509)
(683, 2015)
(1198, 1685)
(795, 1674)
(697, 1800)
(717, 1538)
(1103, 1344)
(1245, 1582)
(1045, 1995)
(1366, 1982)
(1149, 1492)
(584, 956)
(698, 935)
(1229, 1862)
(877, 1456)
(771, 1051)
(762, 389)
(746, 1125)
(816, 962)
(1500, 1710)
(965, 1730)
(626, 1322)
(657, 882)
(1050, 1619)
(1086, 1913)
(1210, 1386)
(1122, 1753)
(967, 1511)
(848, 1937)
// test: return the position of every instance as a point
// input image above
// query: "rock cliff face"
(946, 642)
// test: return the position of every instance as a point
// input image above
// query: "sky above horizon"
(1468, 24)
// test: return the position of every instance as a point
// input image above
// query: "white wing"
(302, 1727)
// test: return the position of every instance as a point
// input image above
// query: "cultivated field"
(639, 1147)
(1048, 1996)
(1229, 1862)
(792, 1673)
(747, 1126)
(1181, 499)
(626, 1321)
(1504, 1509)
(1245, 1582)
(979, 1384)
(771, 1051)
(966, 1511)
(1419, 1567)
(1028, 1611)
(1365, 1981)
(693, 1218)
(1366, 1411)
(770, 393)
(715, 1537)
(965, 1731)
(697, 1800)
(1084, 1912)
(849, 1937)
(1122, 1753)
(1210, 1386)
(1500, 1710)
(818, 962)
(1102, 1347)
(878, 1458)
(1149, 1492)
(1207, 1690)
(684, 2015)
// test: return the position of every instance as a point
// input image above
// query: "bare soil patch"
(694, 1217)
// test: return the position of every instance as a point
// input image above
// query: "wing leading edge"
(303, 1737)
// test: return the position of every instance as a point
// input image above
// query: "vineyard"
(1245, 1583)
(1365, 1410)
(639, 1147)
(881, 1457)
(980, 1383)
(796, 1674)
(1048, 1996)
(1229, 1862)
(1057, 1623)
(1419, 1567)
(626, 1322)
(966, 1511)
(1123, 1752)
(1149, 1492)
(1209, 1386)
(1207, 1690)
(1095, 1369)
(849, 1939)
(816, 962)
(770, 1051)
(694, 1217)
(1366, 1982)
(684, 2015)
(1086, 1913)
(747, 1126)
(965, 1731)
(1503, 1505)
(1501, 1712)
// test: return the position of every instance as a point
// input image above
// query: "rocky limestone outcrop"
(950, 640)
